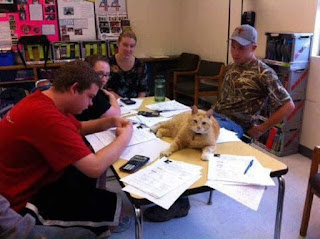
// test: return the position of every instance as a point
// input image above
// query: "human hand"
(125, 130)
(119, 122)
(256, 131)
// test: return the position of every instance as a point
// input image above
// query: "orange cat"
(197, 129)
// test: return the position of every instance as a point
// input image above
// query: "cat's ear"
(210, 113)
(194, 109)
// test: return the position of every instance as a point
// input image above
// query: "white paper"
(248, 195)
(151, 149)
(227, 136)
(168, 106)
(5, 36)
(36, 13)
(80, 23)
(231, 168)
(162, 177)
(148, 121)
(48, 29)
(104, 138)
(126, 112)
(167, 200)
(173, 113)
(126, 108)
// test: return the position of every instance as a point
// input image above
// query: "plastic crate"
(66, 51)
(94, 47)
(288, 47)
(295, 81)
(285, 142)
(6, 59)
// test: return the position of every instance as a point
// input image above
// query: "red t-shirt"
(37, 141)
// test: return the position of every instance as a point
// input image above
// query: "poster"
(109, 14)
(30, 17)
(76, 20)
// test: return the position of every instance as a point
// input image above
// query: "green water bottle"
(159, 88)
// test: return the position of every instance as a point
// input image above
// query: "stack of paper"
(242, 178)
(104, 138)
(163, 181)
(169, 108)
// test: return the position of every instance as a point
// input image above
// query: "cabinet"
(288, 54)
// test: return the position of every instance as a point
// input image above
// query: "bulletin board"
(33, 17)
(109, 15)
(76, 20)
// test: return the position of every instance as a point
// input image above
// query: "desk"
(278, 169)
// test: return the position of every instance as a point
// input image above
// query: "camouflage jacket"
(245, 90)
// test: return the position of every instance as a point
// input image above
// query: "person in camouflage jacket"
(247, 86)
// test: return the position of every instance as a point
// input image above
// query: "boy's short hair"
(76, 71)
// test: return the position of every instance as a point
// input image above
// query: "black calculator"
(149, 114)
(128, 101)
(134, 163)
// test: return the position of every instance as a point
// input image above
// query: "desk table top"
(193, 156)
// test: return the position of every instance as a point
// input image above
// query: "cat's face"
(200, 123)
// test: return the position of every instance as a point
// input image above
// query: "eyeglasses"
(103, 75)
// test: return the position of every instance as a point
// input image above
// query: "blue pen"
(249, 166)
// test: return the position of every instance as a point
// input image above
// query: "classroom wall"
(169, 27)
(203, 30)
(156, 23)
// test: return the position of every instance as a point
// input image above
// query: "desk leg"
(277, 229)
(210, 198)
(138, 222)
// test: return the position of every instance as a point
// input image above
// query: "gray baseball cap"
(245, 35)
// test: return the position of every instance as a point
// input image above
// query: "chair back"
(29, 40)
(209, 68)
(188, 62)
(313, 189)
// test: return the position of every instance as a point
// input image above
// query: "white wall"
(156, 24)
(203, 28)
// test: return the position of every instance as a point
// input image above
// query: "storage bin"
(94, 47)
(6, 59)
(285, 142)
(288, 47)
(295, 81)
(66, 51)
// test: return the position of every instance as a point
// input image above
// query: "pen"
(249, 166)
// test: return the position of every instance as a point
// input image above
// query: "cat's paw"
(159, 135)
(155, 128)
(166, 153)
(206, 156)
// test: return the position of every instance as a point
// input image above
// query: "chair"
(186, 62)
(41, 40)
(313, 189)
(206, 80)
